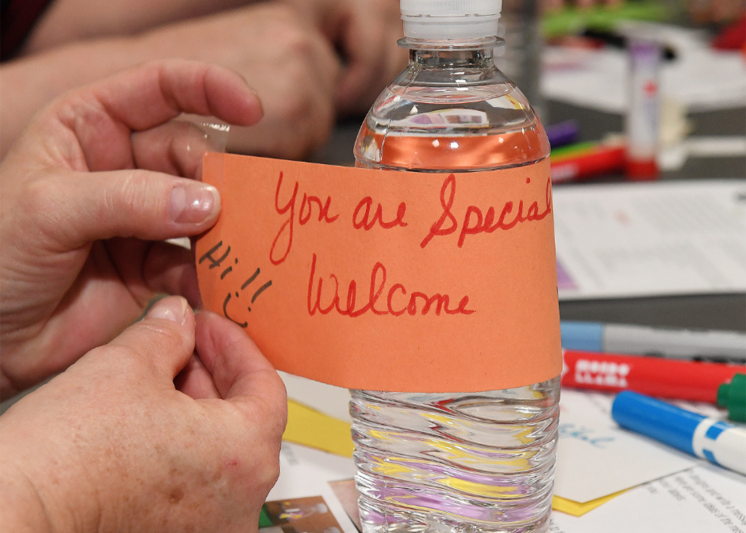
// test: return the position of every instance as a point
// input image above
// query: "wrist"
(41, 491)
(22, 508)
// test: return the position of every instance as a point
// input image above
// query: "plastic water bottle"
(468, 462)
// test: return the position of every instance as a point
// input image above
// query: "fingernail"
(172, 308)
(193, 203)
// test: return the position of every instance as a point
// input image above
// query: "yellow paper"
(311, 428)
(579, 509)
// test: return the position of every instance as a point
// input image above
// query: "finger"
(195, 381)
(173, 148)
(103, 115)
(363, 44)
(300, 105)
(72, 209)
(164, 338)
(309, 46)
(170, 269)
(112, 299)
(148, 268)
(239, 370)
(328, 67)
(159, 91)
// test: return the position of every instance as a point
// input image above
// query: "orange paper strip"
(397, 281)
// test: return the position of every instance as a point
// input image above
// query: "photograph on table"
(299, 515)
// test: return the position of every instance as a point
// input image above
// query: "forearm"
(68, 21)
(28, 84)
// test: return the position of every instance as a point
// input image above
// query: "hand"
(366, 32)
(111, 446)
(289, 62)
(82, 255)
(290, 65)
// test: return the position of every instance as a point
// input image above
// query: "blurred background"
(580, 66)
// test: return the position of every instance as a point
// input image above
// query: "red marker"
(663, 378)
(586, 164)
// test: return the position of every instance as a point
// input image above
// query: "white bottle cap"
(450, 19)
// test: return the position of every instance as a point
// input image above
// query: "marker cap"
(732, 396)
(658, 420)
(586, 336)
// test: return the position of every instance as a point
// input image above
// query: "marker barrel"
(719, 442)
(675, 343)
(644, 340)
(664, 378)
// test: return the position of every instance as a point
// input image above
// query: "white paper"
(646, 239)
(596, 458)
(705, 499)
(674, 156)
(305, 472)
(328, 399)
(699, 79)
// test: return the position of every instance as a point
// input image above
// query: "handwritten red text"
(361, 218)
(395, 301)
(285, 235)
(475, 221)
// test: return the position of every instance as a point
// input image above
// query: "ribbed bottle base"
(456, 463)
(377, 517)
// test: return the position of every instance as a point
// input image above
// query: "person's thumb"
(241, 374)
(164, 338)
(75, 209)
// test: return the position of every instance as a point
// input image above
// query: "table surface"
(721, 311)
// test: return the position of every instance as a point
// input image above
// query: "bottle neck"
(441, 58)
(447, 53)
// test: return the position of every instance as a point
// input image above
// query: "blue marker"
(719, 442)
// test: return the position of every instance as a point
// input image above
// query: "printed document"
(703, 499)
(648, 239)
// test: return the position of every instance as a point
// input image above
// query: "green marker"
(571, 20)
(732, 396)
(264, 520)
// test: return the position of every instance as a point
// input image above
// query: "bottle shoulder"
(456, 119)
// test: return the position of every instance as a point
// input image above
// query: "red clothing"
(17, 18)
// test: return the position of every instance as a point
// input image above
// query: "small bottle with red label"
(454, 462)
(643, 110)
